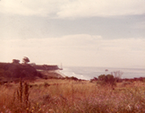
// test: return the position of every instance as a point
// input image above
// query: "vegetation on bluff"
(12, 71)
(15, 71)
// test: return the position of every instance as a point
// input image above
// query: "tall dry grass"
(67, 96)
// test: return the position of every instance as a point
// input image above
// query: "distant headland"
(25, 70)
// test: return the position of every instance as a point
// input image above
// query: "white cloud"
(30, 7)
(72, 9)
(103, 8)
(77, 50)
(139, 25)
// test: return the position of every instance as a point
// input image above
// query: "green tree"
(26, 60)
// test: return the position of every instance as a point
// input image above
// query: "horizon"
(73, 32)
(71, 66)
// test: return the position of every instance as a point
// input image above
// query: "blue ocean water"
(88, 73)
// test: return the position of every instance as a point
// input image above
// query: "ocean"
(88, 73)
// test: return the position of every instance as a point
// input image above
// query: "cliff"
(45, 67)
(15, 70)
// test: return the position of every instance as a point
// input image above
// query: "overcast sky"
(103, 33)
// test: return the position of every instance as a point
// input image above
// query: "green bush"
(107, 80)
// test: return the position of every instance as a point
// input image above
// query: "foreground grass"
(68, 96)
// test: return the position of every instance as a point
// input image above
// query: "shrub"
(46, 84)
(94, 79)
(117, 75)
(107, 80)
(71, 78)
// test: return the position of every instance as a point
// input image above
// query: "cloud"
(77, 50)
(30, 7)
(72, 8)
(90, 8)
(139, 25)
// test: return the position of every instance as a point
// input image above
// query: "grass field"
(69, 96)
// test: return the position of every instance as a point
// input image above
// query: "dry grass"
(68, 96)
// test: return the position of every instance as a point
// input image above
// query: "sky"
(102, 33)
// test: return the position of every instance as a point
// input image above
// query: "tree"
(15, 61)
(26, 60)
(117, 75)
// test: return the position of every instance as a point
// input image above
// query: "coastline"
(61, 75)
(88, 73)
(53, 74)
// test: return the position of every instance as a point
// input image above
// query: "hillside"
(12, 70)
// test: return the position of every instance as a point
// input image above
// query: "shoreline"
(53, 74)
(60, 73)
